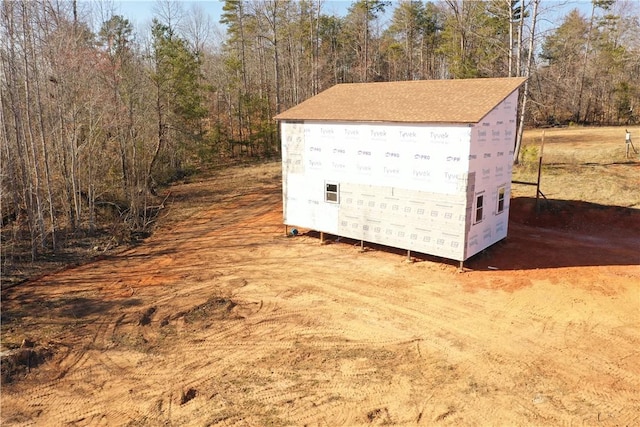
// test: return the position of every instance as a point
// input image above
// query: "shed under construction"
(419, 165)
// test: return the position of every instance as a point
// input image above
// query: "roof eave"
(465, 122)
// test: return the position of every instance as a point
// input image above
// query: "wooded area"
(96, 114)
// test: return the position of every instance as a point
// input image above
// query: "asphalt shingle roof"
(418, 101)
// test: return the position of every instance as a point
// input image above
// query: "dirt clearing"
(219, 319)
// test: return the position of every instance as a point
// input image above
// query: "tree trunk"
(34, 160)
(160, 139)
(45, 154)
(525, 95)
(276, 60)
(578, 109)
(510, 71)
(520, 32)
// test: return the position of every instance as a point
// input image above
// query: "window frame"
(502, 193)
(478, 208)
(335, 192)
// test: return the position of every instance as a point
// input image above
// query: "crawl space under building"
(419, 165)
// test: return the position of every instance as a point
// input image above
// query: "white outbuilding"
(419, 165)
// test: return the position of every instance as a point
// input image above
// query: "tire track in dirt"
(252, 328)
(544, 318)
(532, 315)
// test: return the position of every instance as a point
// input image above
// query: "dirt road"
(219, 319)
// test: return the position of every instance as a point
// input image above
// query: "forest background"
(96, 114)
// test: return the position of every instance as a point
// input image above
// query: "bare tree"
(197, 28)
(170, 13)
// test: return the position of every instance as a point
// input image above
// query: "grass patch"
(581, 163)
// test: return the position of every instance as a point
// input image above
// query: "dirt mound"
(15, 363)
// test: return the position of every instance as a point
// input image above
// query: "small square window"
(332, 193)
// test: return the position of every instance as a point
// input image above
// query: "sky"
(140, 12)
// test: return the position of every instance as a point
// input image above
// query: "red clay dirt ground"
(218, 319)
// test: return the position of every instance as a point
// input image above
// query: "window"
(331, 193)
(479, 204)
(501, 192)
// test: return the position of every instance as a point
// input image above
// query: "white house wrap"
(421, 165)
